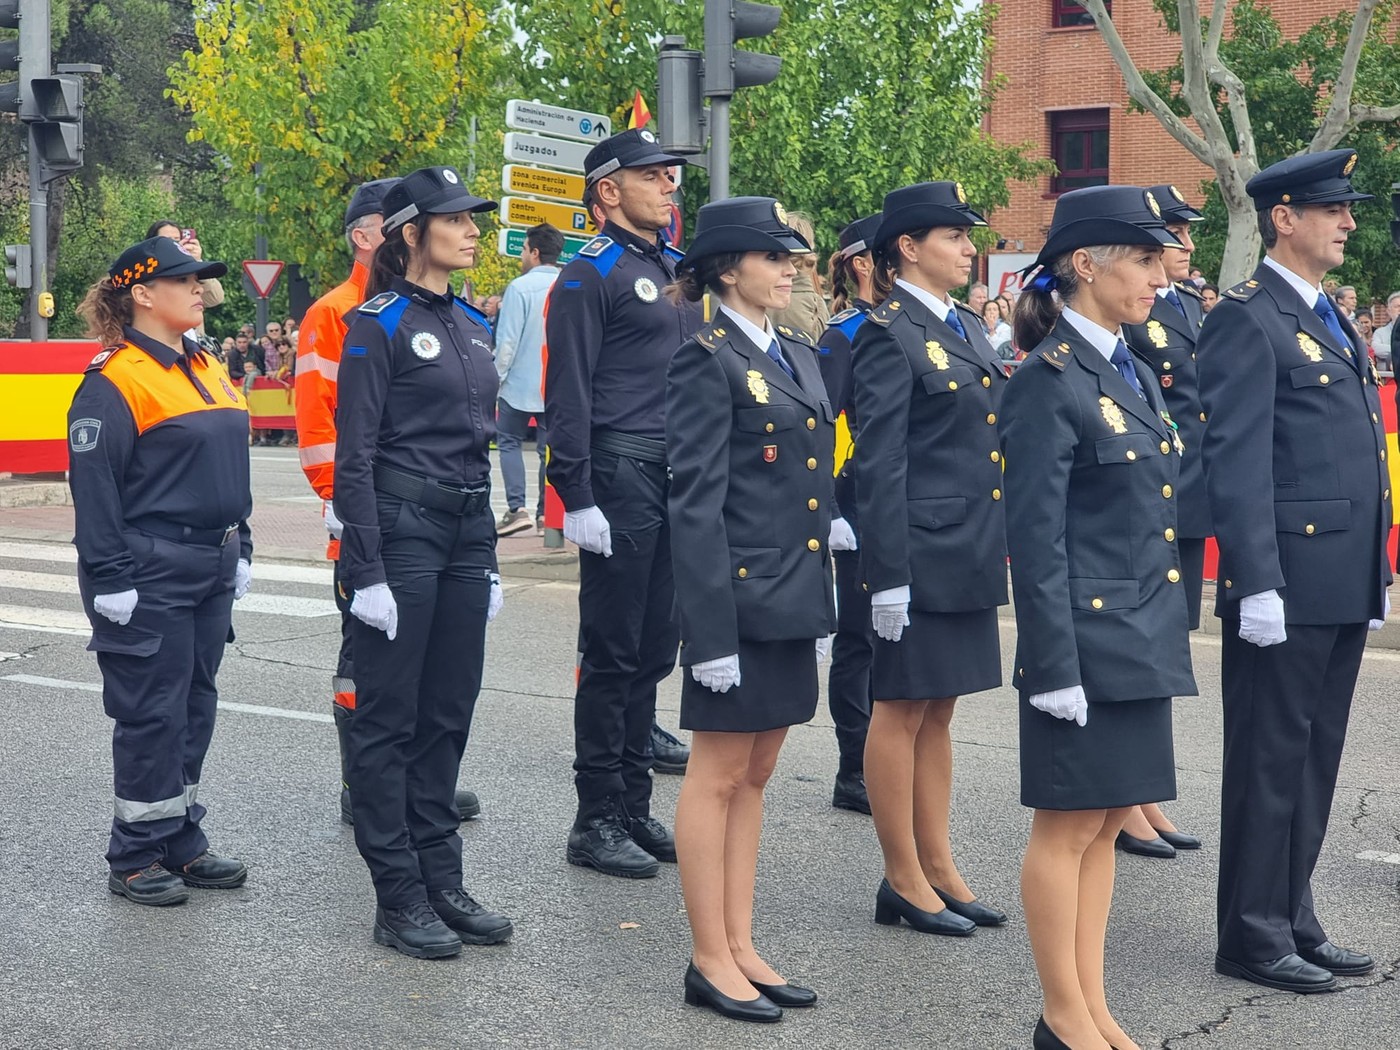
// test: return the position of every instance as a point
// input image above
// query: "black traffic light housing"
(726, 66)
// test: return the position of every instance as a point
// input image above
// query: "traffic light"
(679, 108)
(56, 122)
(17, 269)
(9, 57)
(726, 67)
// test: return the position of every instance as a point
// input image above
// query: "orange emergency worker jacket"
(318, 366)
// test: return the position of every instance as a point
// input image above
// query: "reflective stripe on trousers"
(131, 812)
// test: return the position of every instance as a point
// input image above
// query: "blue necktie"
(955, 323)
(777, 355)
(1123, 361)
(1175, 300)
(1323, 309)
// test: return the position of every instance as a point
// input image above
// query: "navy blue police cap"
(923, 205)
(633, 148)
(1313, 178)
(1104, 215)
(859, 236)
(429, 191)
(743, 224)
(1173, 204)
(159, 257)
(368, 199)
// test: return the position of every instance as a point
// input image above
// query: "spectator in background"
(234, 358)
(226, 346)
(994, 324)
(1346, 299)
(212, 291)
(977, 297)
(1365, 328)
(1381, 342)
(807, 310)
(1197, 277)
(1210, 295)
(519, 338)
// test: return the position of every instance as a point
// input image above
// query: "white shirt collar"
(940, 307)
(1104, 341)
(1307, 292)
(1162, 292)
(760, 337)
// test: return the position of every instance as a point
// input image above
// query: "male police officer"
(1296, 475)
(611, 334)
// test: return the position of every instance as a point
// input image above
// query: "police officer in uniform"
(748, 433)
(611, 335)
(418, 551)
(848, 681)
(1167, 342)
(1102, 639)
(1300, 497)
(158, 464)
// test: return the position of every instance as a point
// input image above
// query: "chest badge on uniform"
(937, 355)
(1167, 382)
(770, 453)
(228, 390)
(82, 435)
(1157, 334)
(646, 289)
(425, 345)
(758, 386)
(1308, 345)
(1113, 415)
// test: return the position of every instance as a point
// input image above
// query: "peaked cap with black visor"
(429, 191)
(859, 236)
(1174, 205)
(633, 148)
(743, 224)
(159, 257)
(923, 206)
(1098, 215)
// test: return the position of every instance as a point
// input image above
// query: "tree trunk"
(1242, 245)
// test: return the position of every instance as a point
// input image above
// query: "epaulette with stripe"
(95, 365)
(710, 337)
(378, 304)
(797, 335)
(1244, 290)
(836, 320)
(1189, 288)
(596, 247)
(1057, 357)
(886, 312)
(673, 253)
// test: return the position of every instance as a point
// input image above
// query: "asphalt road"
(288, 961)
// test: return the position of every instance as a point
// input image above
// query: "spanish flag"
(641, 116)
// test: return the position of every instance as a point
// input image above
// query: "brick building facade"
(1064, 94)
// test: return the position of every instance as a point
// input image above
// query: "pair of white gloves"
(119, 607)
(722, 674)
(1261, 624)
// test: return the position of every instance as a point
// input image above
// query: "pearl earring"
(1089, 279)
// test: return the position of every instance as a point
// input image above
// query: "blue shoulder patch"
(849, 322)
(389, 314)
(606, 256)
(672, 253)
(377, 305)
(472, 312)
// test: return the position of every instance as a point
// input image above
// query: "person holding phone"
(187, 241)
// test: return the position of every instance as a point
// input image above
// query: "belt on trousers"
(649, 450)
(435, 495)
(184, 534)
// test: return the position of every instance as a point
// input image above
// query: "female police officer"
(158, 464)
(748, 437)
(412, 482)
(933, 547)
(1091, 470)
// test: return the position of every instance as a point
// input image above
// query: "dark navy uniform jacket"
(929, 461)
(1091, 474)
(1167, 342)
(417, 393)
(750, 451)
(154, 435)
(834, 357)
(611, 333)
(1295, 457)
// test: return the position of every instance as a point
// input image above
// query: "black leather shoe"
(652, 836)
(1341, 961)
(1179, 839)
(1044, 1039)
(890, 907)
(468, 805)
(209, 871)
(668, 755)
(849, 793)
(700, 992)
(472, 923)
(149, 885)
(975, 910)
(1157, 848)
(1291, 973)
(603, 843)
(416, 931)
(788, 994)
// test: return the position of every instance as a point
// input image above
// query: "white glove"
(1068, 704)
(719, 675)
(116, 607)
(824, 648)
(842, 537)
(1261, 619)
(333, 525)
(497, 599)
(375, 606)
(589, 529)
(1376, 625)
(889, 612)
(242, 578)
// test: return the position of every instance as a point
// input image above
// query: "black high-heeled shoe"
(788, 994)
(700, 992)
(1044, 1039)
(975, 910)
(1178, 839)
(890, 907)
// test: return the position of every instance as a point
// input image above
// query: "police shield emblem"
(425, 345)
(646, 289)
(82, 435)
(1308, 345)
(1157, 334)
(758, 386)
(937, 355)
(1166, 382)
(770, 453)
(1113, 415)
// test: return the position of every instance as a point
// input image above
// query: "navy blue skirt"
(777, 687)
(1121, 756)
(940, 655)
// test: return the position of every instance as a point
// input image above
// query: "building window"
(1079, 147)
(1071, 13)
